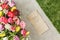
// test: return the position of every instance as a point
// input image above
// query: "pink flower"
(1, 27)
(10, 20)
(23, 32)
(4, 20)
(16, 38)
(17, 22)
(0, 19)
(11, 4)
(16, 12)
(22, 24)
(15, 18)
(5, 6)
(13, 29)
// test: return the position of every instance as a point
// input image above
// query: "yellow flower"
(2, 34)
(18, 28)
(27, 33)
(13, 8)
(1, 13)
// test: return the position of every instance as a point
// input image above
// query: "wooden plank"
(37, 22)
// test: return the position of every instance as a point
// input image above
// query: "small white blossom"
(5, 38)
(0, 8)
(5, 11)
(7, 26)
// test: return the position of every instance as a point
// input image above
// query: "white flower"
(0, 8)
(8, 26)
(5, 11)
(5, 38)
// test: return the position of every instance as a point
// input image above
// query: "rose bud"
(5, 6)
(4, 20)
(16, 12)
(10, 20)
(15, 18)
(1, 27)
(17, 22)
(23, 32)
(10, 14)
(11, 4)
(22, 24)
(13, 29)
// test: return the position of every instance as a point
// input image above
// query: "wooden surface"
(37, 22)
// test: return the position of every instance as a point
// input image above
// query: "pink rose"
(17, 22)
(22, 24)
(13, 29)
(16, 38)
(1, 27)
(4, 20)
(23, 32)
(15, 18)
(10, 20)
(11, 4)
(16, 12)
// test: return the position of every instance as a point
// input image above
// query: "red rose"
(5, 6)
(10, 14)
(16, 12)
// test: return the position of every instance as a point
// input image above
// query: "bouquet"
(11, 25)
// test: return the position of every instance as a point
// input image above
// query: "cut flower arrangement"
(11, 25)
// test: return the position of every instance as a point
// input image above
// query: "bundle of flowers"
(11, 25)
